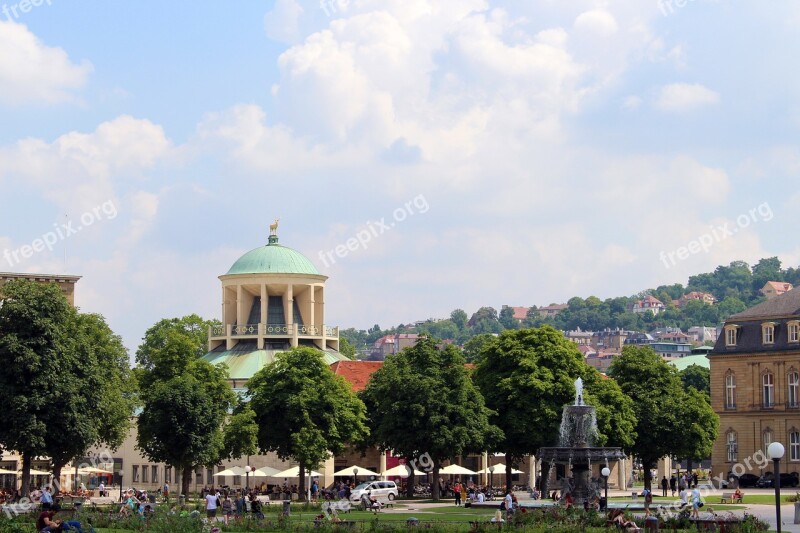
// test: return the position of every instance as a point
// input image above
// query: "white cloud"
(32, 72)
(598, 21)
(685, 97)
(281, 24)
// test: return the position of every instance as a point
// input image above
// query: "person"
(227, 509)
(568, 501)
(314, 490)
(509, 503)
(46, 499)
(212, 502)
(617, 518)
(457, 492)
(684, 495)
(737, 494)
(664, 485)
(481, 496)
(535, 494)
(694, 480)
(101, 489)
(165, 492)
(696, 503)
(673, 482)
(648, 499)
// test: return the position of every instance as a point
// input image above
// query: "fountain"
(576, 450)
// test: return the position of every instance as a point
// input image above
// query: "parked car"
(379, 489)
(746, 480)
(787, 480)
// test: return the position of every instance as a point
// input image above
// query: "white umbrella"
(457, 470)
(400, 471)
(232, 471)
(265, 471)
(92, 470)
(295, 472)
(3, 471)
(500, 469)
(37, 472)
(351, 471)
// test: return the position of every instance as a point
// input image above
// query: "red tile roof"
(357, 373)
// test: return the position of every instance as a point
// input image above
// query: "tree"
(241, 433)
(303, 410)
(422, 401)
(507, 319)
(697, 377)
(459, 318)
(661, 406)
(347, 349)
(528, 376)
(185, 399)
(64, 378)
(474, 346)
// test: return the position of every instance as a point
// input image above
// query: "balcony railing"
(255, 330)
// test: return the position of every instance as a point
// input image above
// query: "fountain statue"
(576, 450)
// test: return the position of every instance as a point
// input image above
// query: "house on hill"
(648, 303)
(771, 289)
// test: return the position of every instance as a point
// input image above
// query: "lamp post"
(120, 483)
(775, 452)
(605, 472)
(491, 479)
(247, 470)
(355, 476)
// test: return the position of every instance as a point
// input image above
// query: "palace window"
(144, 473)
(154, 474)
(793, 330)
(793, 381)
(768, 333)
(730, 335)
(794, 445)
(731, 446)
(167, 474)
(210, 476)
(768, 439)
(136, 473)
(768, 390)
(730, 390)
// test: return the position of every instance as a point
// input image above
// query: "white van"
(379, 489)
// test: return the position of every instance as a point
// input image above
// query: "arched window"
(793, 381)
(731, 446)
(768, 390)
(730, 390)
(767, 438)
(794, 445)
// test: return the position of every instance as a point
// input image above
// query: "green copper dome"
(273, 259)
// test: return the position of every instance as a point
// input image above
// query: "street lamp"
(355, 476)
(247, 470)
(491, 479)
(120, 483)
(605, 472)
(775, 452)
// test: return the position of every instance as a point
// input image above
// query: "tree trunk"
(647, 465)
(302, 488)
(186, 479)
(56, 482)
(410, 479)
(25, 490)
(435, 485)
(509, 466)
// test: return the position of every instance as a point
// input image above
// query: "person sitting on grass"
(617, 519)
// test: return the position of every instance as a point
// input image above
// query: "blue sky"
(536, 150)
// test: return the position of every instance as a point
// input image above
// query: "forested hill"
(735, 288)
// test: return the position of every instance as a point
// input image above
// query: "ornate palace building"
(755, 386)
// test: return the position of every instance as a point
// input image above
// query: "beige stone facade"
(66, 282)
(755, 387)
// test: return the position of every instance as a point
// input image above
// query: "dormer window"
(730, 335)
(768, 333)
(793, 329)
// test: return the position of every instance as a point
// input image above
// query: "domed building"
(273, 299)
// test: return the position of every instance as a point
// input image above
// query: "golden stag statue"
(273, 228)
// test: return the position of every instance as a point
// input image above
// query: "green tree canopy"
(65, 383)
(697, 377)
(670, 420)
(422, 401)
(303, 410)
(474, 346)
(185, 399)
(528, 376)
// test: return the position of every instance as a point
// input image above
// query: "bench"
(728, 497)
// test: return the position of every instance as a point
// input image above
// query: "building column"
(382, 465)
(311, 300)
(240, 313)
(532, 471)
(664, 468)
(622, 481)
(484, 466)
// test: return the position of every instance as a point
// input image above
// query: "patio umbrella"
(295, 472)
(37, 472)
(93, 470)
(265, 471)
(457, 470)
(400, 471)
(232, 471)
(350, 471)
(500, 469)
(3, 471)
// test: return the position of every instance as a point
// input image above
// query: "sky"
(426, 155)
